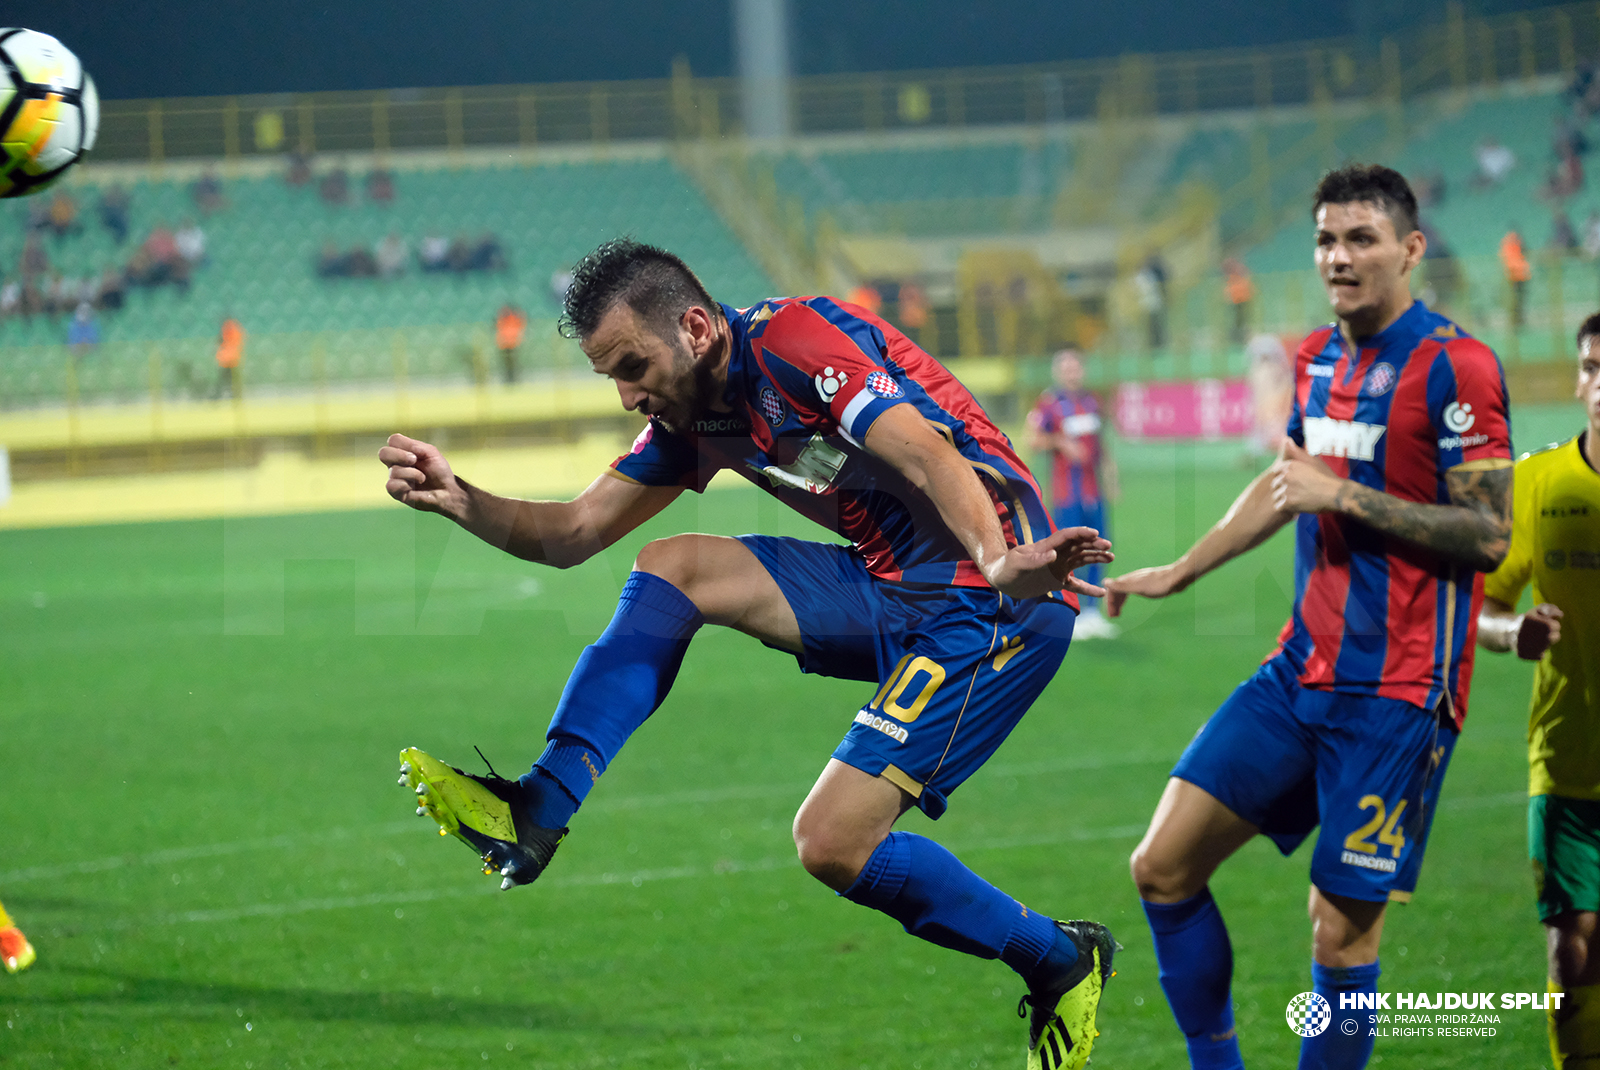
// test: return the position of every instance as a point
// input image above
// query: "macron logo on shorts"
(887, 727)
(1354, 858)
(1326, 437)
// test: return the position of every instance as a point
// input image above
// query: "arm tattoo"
(1473, 530)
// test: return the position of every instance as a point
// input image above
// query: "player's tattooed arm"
(1473, 530)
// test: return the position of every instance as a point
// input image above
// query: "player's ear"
(698, 324)
(1416, 244)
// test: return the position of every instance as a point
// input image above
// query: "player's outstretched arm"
(903, 438)
(1473, 530)
(1250, 521)
(1530, 634)
(551, 533)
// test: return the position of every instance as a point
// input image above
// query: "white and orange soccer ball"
(49, 111)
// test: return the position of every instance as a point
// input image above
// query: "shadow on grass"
(106, 991)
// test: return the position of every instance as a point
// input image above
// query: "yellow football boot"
(1061, 1024)
(15, 951)
(482, 812)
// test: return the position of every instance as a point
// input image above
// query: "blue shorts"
(957, 667)
(1369, 770)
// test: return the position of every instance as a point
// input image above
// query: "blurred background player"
(949, 598)
(1555, 542)
(509, 324)
(1398, 478)
(15, 951)
(1066, 424)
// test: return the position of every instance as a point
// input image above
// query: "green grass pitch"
(203, 836)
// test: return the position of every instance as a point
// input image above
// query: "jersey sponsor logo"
(883, 385)
(829, 383)
(1461, 442)
(721, 426)
(1458, 417)
(1084, 423)
(771, 406)
(1379, 380)
(1560, 512)
(1320, 371)
(1355, 858)
(1556, 560)
(813, 471)
(882, 724)
(1327, 437)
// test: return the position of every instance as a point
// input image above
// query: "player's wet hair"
(654, 283)
(1589, 328)
(1370, 184)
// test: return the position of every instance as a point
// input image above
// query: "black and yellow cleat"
(1061, 1028)
(480, 812)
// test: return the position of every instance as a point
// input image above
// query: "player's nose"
(632, 397)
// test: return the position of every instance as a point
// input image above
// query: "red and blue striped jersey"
(1078, 414)
(807, 377)
(1376, 615)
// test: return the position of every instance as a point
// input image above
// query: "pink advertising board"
(1204, 409)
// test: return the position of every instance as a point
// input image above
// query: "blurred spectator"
(1565, 178)
(207, 192)
(114, 206)
(1429, 189)
(509, 325)
(299, 170)
(1515, 260)
(391, 256)
(868, 297)
(560, 281)
(162, 262)
(112, 290)
(330, 262)
(35, 261)
(64, 214)
(335, 186)
(1563, 239)
(1568, 138)
(1150, 286)
(83, 333)
(459, 255)
(913, 311)
(434, 253)
(190, 241)
(486, 255)
(38, 214)
(11, 298)
(1585, 90)
(1495, 162)
(1590, 238)
(380, 186)
(1239, 290)
(60, 296)
(1271, 379)
(359, 263)
(230, 356)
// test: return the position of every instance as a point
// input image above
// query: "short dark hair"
(1590, 328)
(1372, 184)
(655, 284)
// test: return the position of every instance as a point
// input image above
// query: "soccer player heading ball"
(1397, 476)
(955, 598)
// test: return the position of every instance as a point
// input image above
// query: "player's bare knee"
(674, 559)
(1160, 879)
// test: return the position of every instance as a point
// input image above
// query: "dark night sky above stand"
(217, 47)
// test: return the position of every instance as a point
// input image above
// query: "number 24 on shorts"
(1389, 833)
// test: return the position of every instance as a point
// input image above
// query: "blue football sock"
(926, 889)
(616, 685)
(1333, 1049)
(1196, 972)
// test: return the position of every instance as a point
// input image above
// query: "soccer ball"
(49, 111)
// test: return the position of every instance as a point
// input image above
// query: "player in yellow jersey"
(1555, 542)
(16, 954)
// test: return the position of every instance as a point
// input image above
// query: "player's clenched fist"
(420, 477)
